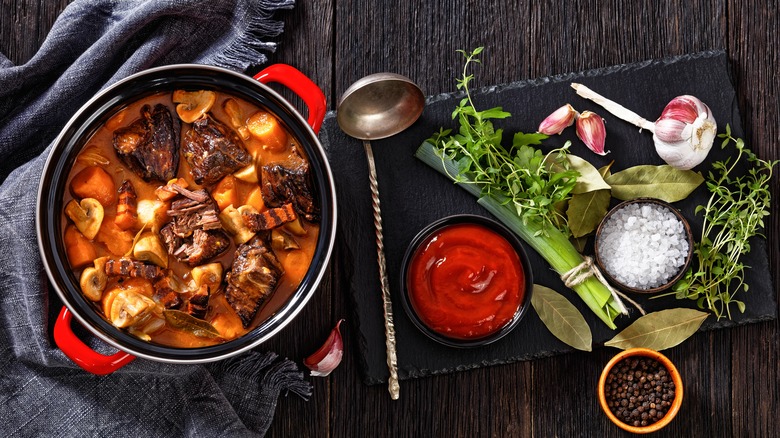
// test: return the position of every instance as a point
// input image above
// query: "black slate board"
(413, 195)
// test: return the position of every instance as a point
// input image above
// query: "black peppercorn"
(639, 391)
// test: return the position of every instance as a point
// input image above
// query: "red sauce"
(466, 281)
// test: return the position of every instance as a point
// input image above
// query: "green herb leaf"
(659, 330)
(187, 322)
(586, 210)
(561, 318)
(590, 179)
(662, 182)
(523, 139)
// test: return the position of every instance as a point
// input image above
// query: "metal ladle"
(375, 107)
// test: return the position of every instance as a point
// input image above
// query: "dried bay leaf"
(590, 178)
(586, 211)
(659, 330)
(560, 316)
(662, 182)
(606, 171)
(187, 322)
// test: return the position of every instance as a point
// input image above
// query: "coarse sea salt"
(643, 245)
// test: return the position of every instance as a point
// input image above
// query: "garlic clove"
(592, 132)
(559, 120)
(323, 361)
(670, 130)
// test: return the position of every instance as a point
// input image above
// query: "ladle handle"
(392, 361)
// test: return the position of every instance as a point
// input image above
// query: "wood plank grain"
(732, 378)
(755, 375)
(24, 25)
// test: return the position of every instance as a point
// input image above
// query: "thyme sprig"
(734, 214)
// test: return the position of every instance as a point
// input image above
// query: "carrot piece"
(228, 325)
(126, 207)
(118, 241)
(255, 198)
(225, 193)
(94, 182)
(80, 250)
(267, 129)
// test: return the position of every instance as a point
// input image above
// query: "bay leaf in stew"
(189, 323)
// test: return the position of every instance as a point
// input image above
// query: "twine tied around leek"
(586, 269)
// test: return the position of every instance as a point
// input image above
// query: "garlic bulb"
(683, 134)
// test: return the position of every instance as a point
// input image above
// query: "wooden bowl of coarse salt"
(643, 245)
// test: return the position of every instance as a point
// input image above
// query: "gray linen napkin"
(42, 393)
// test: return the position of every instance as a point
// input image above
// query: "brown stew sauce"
(295, 262)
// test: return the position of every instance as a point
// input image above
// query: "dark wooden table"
(731, 376)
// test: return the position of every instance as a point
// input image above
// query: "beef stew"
(161, 219)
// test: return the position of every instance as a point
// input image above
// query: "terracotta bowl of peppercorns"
(640, 390)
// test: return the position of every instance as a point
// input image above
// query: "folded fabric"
(42, 393)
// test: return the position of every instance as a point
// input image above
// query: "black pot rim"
(83, 124)
(493, 225)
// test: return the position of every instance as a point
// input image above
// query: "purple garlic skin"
(323, 361)
(592, 131)
(685, 132)
(559, 120)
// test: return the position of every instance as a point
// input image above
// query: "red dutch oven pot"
(50, 221)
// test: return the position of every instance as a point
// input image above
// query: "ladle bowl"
(379, 106)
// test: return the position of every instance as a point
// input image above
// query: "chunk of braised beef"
(171, 241)
(194, 210)
(282, 184)
(124, 267)
(213, 150)
(252, 278)
(270, 218)
(194, 235)
(166, 294)
(150, 145)
(196, 249)
(198, 303)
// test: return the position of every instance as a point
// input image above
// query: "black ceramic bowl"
(491, 225)
(600, 257)
(165, 79)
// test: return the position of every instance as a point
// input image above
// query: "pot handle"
(301, 85)
(85, 357)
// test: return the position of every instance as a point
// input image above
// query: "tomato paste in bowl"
(467, 281)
